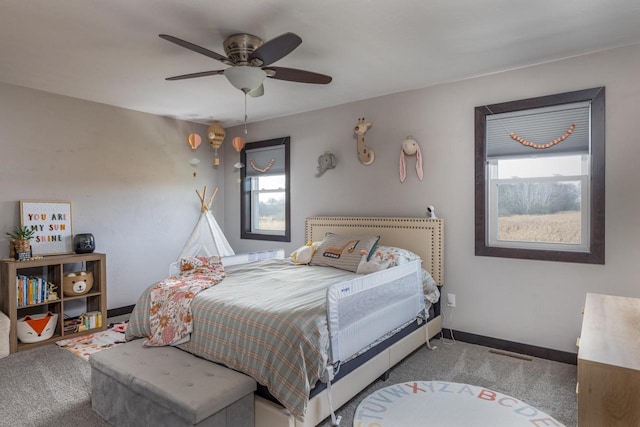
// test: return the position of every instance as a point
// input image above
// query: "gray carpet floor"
(49, 386)
(546, 385)
(46, 386)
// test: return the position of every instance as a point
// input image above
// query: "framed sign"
(51, 222)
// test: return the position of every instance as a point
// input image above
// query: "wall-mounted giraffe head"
(365, 154)
(362, 126)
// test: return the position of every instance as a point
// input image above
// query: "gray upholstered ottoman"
(5, 327)
(132, 385)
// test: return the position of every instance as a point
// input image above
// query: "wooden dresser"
(609, 362)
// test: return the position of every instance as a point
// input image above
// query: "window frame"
(246, 194)
(595, 252)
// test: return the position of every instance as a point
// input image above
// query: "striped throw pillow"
(344, 252)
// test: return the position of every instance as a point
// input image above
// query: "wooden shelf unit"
(52, 268)
(609, 362)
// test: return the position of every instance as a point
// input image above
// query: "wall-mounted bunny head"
(410, 147)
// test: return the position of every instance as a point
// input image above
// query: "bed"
(315, 341)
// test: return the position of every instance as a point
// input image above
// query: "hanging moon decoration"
(194, 140)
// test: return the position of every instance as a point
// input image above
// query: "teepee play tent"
(207, 238)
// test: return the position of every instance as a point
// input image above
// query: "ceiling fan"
(250, 61)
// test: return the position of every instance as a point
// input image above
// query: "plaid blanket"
(266, 319)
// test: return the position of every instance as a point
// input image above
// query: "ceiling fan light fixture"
(244, 77)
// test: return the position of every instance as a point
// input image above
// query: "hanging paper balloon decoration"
(194, 140)
(238, 143)
(216, 134)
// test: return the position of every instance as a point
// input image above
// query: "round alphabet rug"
(440, 403)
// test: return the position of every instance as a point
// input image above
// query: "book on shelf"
(84, 322)
(71, 325)
(31, 290)
(93, 319)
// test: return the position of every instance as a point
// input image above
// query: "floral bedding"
(170, 318)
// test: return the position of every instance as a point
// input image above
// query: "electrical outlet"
(451, 300)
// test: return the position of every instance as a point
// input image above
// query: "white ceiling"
(109, 51)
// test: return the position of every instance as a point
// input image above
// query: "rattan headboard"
(423, 236)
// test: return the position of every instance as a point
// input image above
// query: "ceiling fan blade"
(194, 75)
(276, 49)
(259, 91)
(196, 48)
(294, 75)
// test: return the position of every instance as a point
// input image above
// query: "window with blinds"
(265, 200)
(535, 181)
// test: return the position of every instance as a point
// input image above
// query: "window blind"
(539, 125)
(261, 157)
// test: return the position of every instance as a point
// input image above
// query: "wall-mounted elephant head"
(326, 161)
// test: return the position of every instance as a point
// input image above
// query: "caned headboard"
(423, 236)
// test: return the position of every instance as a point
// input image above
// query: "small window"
(265, 201)
(539, 203)
(540, 178)
(268, 204)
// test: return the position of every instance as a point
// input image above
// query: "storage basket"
(77, 283)
(37, 327)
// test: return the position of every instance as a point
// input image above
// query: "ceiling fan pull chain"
(245, 113)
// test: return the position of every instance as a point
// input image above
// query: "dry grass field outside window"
(269, 223)
(562, 227)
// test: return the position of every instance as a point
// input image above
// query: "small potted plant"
(19, 244)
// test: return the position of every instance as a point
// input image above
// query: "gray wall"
(128, 177)
(126, 173)
(533, 302)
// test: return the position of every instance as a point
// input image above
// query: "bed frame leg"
(384, 376)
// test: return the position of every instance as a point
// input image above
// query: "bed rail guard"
(252, 257)
(361, 310)
(227, 261)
